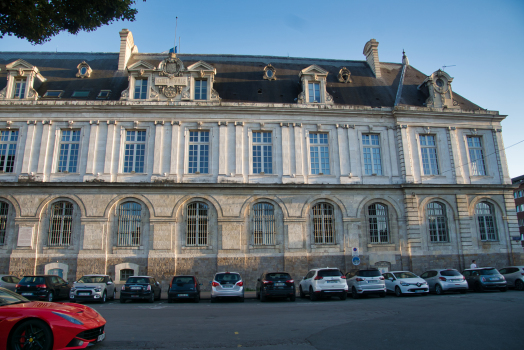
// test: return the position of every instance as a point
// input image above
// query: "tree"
(39, 20)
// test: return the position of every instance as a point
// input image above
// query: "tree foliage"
(39, 20)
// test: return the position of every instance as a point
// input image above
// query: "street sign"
(355, 260)
(354, 251)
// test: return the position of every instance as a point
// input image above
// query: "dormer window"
(84, 71)
(103, 94)
(19, 91)
(80, 93)
(140, 89)
(22, 81)
(201, 89)
(54, 93)
(314, 92)
(314, 82)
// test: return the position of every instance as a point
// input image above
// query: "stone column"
(286, 157)
(44, 151)
(159, 148)
(239, 155)
(299, 155)
(28, 151)
(92, 148)
(455, 155)
(222, 149)
(403, 141)
(110, 149)
(175, 148)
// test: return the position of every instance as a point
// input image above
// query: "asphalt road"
(491, 320)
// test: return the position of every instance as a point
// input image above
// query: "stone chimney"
(371, 53)
(127, 47)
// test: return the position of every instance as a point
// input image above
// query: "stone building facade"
(165, 164)
(518, 194)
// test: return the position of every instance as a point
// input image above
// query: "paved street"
(491, 320)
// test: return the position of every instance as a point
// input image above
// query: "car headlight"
(69, 318)
(404, 284)
(73, 289)
(98, 290)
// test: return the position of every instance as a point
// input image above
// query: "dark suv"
(43, 287)
(275, 284)
(184, 287)
(140, 288)
(484, 278)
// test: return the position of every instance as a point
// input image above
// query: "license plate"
(226, 286)
(136, 287)
(134, 296)
(101, 337)
(27, 293)
(280, 284)
(183, 295)
(494, 279)
(83, 294)
(419, 291)
(373, 281)
(457, 280)
(332, 281)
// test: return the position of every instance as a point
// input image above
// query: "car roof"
(227, 272)
(400, 271)
(266, 273)
(41, 276)
(184, 276)
(479, 268)
(96, 275)
(141, 276)
(516, 266)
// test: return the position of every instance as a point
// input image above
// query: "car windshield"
(92, 279)
(227, 277)
(32, 280)
(7, 298)
(137, 280)
(277, 276)
(329, 273)
(489, 272)
(405, 275)
(183, 280)
(450, 273)
(369, 273)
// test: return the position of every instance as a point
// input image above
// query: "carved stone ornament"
(214, 95)
(344, 75)
(3, 93)
(171, 91)
(84, 71)
(20, 72)
(270, 73)
(171, 67)
(125, 94)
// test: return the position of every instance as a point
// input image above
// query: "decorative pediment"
(201, 65)
(140, 65)
(20, 63)
(313, 70)
(438, 88)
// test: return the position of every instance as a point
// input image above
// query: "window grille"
(476, 156)
(323, 223)
(438, 228)
(372, 160)
(126, 273)
(4, 210)
(129, 224)
(19, 88)
(314, 92)
(200, 89)
(428, 150)
(486, 219)
(140, 89)
(8, 141)
(262, 153)
(69, 147)
(61, 224)
(198, 157)
(197, 224)
(319, 153)
(264, 224)
(135, 150)
(378, 223)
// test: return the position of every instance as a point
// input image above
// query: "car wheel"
(398, 292)
(478, 288)
(104, 298)
(241, 299)
(257, 295)
(505, 289)
(263, 297)
(463, 291)
(114, 295)
(301, 292)
(152, 298)
(293, 297)
(343, 296)
(519, 285)
(197, 298)
(438, 289)
(122, 300)
(213, 299)
(382, 295)
(354, 293)
(32, 330)
(50, 296)
(312, 295)
(169, 300)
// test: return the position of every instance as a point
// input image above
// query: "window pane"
(437, 222)
(61, 223)
(323, 223)
(3, 221)
(263, 224)
(129, 224)
(197, 224)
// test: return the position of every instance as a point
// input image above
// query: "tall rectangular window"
(262, 153)
(61, 224)
(135, 151)
(197, 224)
(198, 157)
(4, 208)
(140, 89)
(319, 153)
(476, 155)
(314, 92)
(428, 150)
(69, 147)
(19, 88)
(8, 140)
(372, 161)
(200, 89)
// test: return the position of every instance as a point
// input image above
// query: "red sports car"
(40, 325)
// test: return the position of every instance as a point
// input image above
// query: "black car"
(485, 278)
(141, 288)
(43, 287)
(275, 284)
(184, 287)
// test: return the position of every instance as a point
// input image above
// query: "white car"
(323, 282)
(227, 285)
(405, 282)
(514, 276)
(365, 282)
(93, 288)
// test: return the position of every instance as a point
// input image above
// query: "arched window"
(61, 224)
(125, 274)
(378, 223)
(56, 272)
(197, 224)
(438, 222)
(323, 223)
(486, 219)
(129, 224)
(4, 210)
(263, 224)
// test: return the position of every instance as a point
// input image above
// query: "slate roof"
(238, 78)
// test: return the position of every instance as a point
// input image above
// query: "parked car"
(442, 281)
(275, 284)
(43, 287)
(184, 287)
(405, 282)
(141, 288)
(41, 325)
(484, 278)
(227, 285)
(9, 282)
(365, 282)
(514, 275)
(93, 288)
(324, 282)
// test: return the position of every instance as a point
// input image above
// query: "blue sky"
(483, 39)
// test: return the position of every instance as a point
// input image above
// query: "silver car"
(227, 285)
(445, 280)
(93, 288)
(365, 282)
(514, 276)
(9, 282)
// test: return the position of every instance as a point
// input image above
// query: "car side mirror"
(391, 279)
(304, 277)
(157, 283)
(74, 282)
(109, 283)
(258, 279)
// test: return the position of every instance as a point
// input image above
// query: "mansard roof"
(238, 78)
